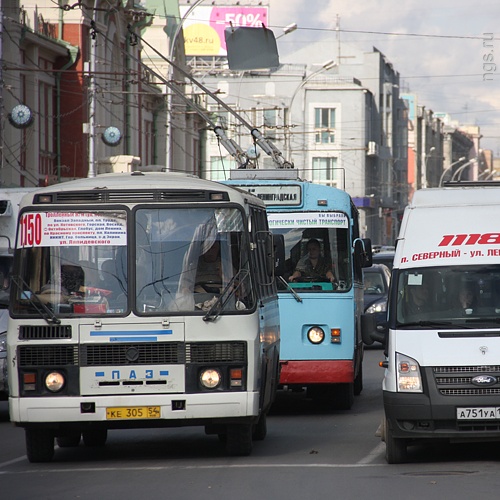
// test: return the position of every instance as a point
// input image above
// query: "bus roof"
(145, 181)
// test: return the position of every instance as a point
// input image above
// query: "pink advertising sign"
(204, 26)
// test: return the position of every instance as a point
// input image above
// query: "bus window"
(187, 259)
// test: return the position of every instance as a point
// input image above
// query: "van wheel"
(39, 445)
(395, 449)
(239, 440)
(95, 438)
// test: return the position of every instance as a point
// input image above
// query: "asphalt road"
(309, 453)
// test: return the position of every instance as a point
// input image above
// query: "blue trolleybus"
(118, 318)
(321, 345)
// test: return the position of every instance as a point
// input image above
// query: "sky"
(447, 52)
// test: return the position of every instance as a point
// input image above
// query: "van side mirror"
(371, 332)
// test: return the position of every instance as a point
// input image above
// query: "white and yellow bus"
(110, 327)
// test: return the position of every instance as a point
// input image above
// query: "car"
(377, 280)
(384, 257)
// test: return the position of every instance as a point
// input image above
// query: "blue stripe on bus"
(133, 339)
(164, 373)
(99, 374)
(130, 332)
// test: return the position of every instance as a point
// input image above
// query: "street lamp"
(424, 169)
(455, 176)
(170, 74)
(288, 29)
(324, 67)
(449, 169)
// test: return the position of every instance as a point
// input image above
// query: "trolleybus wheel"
(343, 397)
(395, 449)
(239, 439)
(95, 437)
(358, 381)
(39, 445)
(69, 440)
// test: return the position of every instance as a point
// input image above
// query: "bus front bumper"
(123, 411)
(316, 372)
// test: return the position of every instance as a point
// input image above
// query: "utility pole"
(1, 90)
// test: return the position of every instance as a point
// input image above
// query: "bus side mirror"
(279, 254)
(363, 252)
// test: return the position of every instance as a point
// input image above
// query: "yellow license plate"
(132, 412)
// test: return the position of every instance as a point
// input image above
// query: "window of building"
(324, 171)
(219, 168)
(324, 125)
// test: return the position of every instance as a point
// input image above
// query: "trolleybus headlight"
(54, 381)
(210, 378)
(316, 335)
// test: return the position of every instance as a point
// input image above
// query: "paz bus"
(109, 327)
(321, 345)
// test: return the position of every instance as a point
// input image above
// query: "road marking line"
(373, 455)
(37, 470)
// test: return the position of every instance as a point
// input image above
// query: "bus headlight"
(210, 378)
(54, 381)
(316, 335)
(407, 374)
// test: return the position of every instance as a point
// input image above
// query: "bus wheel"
(239, 439)
(69, 440)
(343, 397)
(39, 445)
(95, 438)
(358, 381)
(260, 428)
(395, 449)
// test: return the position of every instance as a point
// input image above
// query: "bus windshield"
(316, 258)
(96, 262)
(449, 295)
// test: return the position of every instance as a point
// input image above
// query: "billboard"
(204, 26)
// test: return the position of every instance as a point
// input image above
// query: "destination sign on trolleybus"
(307, 219)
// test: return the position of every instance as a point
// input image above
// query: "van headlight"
(408, 376)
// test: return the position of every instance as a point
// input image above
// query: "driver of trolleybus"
(313, 264)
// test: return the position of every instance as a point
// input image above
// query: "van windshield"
(459, 295)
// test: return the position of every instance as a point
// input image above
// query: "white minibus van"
(442, 338)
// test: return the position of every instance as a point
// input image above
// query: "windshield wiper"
(45, 312)
(296, 296)
(226, 294)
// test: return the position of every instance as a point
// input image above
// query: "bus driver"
(313, 264)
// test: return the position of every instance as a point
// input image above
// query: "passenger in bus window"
(313, 265)
(209, 271)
